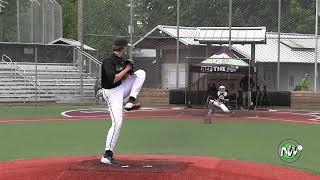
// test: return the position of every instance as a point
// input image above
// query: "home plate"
(147, 166)
(125, 166)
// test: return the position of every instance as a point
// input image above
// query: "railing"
(91, 59)
(45, 67)
(21, 71)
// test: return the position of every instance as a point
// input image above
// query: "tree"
(299, 18)
(105, 19)
(8, 28)
(204, 13)
(260, 13)
(150, 13)
(69, 11)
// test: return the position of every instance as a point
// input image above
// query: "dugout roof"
(163, 36)
(239, 35)
(71, 42)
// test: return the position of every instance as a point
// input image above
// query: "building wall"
(168, 67)
(20, 52)
(148, 64)
(290, 75)
(169, 75)
(266, 75)
(293, 73)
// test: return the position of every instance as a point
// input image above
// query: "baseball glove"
(131, 62)
(99, 93)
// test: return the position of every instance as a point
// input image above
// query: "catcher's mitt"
(131, 62)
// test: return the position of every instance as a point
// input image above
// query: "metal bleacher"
(24, 82)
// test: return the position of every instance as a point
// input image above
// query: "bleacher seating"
(56, 82)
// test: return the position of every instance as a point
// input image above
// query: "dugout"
(223, 68)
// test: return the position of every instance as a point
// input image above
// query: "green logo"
(118, 69)
(289, 150)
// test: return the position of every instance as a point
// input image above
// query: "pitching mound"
(146, 167)
(137, 166)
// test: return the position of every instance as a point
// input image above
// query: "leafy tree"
(105, 19)
(151, 13)
(299, 17)
(204, 13)
(259, 13)
(8, 28)
(70, 21)
(109, 18)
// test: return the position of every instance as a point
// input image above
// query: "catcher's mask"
(222, 88)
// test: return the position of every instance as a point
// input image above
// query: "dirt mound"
(137, 166)
(145, 167)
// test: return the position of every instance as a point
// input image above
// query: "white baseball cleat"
(129, 105)
(132, 106)
(106, 160)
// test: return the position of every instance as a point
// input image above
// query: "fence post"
(80, 39)
(278, 62)
(36, 72)
(316, 49)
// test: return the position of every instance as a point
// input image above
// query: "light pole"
(18, 21)
(80, 39)
(316, 49)
(178, 39)
(230, 23)
(278, 63)
(131, 29)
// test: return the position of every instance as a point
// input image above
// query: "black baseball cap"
(120, 41)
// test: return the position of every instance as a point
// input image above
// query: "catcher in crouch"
(220, 100)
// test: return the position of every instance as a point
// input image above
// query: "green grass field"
(248, 141)
(40, 111)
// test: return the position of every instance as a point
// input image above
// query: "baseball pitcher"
(119, 81)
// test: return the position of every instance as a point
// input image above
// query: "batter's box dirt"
(249, 115)
(193, 114)
(149, 166)
(236, 114)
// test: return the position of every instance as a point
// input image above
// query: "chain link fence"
(286, 57)
(155, 28)
(33, 69)
(43, 74)
(30, 21)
